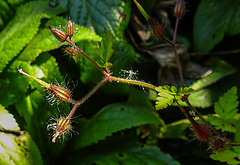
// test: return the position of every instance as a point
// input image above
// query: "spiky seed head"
(70, 29)
(62, 126)
(59, 34)
(60, 93)
(179, 10)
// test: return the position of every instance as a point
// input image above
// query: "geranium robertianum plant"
(99, 60)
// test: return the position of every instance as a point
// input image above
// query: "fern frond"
(226, 109)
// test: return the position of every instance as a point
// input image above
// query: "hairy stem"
(85, 55)
(134, 82)
(46, 85)
(184, 112)
(78, 103)
(177, 59)
(175, 31)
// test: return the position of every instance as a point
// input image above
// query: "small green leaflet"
(167, 94)
(226, 109)
(230, 156)
(105, 51)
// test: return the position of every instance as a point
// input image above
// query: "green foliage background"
(119, 124)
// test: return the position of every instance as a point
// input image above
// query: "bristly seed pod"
(201, 131)
(60, 127)
(60, 35)
(157, 29)
(70, 29)
(60, 93)
(179, 10)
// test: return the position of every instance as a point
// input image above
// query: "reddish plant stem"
(177, 59)
(85, 55)
(185, 98)
(78, 103)
(175, 30)
(200, 116)
(184, 111)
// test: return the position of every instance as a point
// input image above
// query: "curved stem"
(177, 59)
(175, 30)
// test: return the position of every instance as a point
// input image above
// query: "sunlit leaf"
(100, 16)
(17, 147)
(21, 29)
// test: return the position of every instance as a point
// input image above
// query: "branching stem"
(78, 103)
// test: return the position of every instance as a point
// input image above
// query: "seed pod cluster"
(61, 35)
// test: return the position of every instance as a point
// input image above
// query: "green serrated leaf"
(18, 150)
(15, 3)
(228, 156)
(226, 109)
(16, 88)
(101, 16)
(106, 44)
(122, 59)
(7, 120)
(167, 95)
(174, 90)
(185, 90)
(5, 13)
(165, 98)
(227, 104)
(213, 20)
(121, 150)
(21, 29)
(219, 70)
(16, 147)
(105, 50)
(164, 101)
(114, 118)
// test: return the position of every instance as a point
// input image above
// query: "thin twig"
(85, 55)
